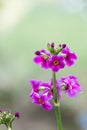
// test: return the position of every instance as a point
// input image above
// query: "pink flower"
(42, 100)
(56, 63)
(71, 86)
(69, 56)
(42, 93)
(41, 87)
(42, 58)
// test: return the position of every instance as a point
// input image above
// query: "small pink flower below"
(71, 86)
(42, 100)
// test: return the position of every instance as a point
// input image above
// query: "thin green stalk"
(56, 104)
(54, 88)
(58, 117)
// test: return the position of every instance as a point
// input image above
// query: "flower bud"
(52, 44)
(17, 114)
(0, 110)
(63, 45)
(50, 47)
(37, 53)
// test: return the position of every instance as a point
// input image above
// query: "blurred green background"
(27, 26)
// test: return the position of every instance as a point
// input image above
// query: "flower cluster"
(57, 58)
(53, 60)
(7, 118)
(42, 93)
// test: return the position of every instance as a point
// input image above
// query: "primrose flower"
(71, 86)
(69, 56)
(42, 100)
(42, 58)
(56, 63)
(41, 87)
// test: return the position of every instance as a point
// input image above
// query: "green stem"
(54, 87)
(56, 103)
(9, 128)
(58, 117)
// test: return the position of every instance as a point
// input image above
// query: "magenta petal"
(35, 86)
(45, 52)
(44, 64)
(73, 56)
(38, 59)
(72, 94)
(65, 50)
(35, 98)
(55, 69)
(62, 64)
(43, 97)
(69, 62)
(46, 85)
(72, 87)
(47, 106)
(70, 56)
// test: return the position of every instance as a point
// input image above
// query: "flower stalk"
(56, 104)
(54, 88)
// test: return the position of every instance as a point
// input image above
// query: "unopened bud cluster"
(7, 118)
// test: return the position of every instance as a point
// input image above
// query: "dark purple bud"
(52, 44)
(37, 53)
(17, 114)
(59, 45)
(63, 45)
(0, 110)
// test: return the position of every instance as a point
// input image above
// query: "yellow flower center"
(56, 62)
(41, 101)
